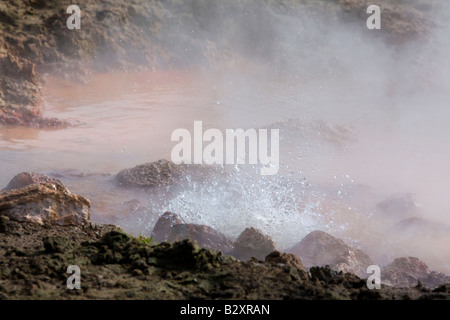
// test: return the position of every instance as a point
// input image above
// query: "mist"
(363, 118)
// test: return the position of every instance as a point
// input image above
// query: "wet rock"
(206, 236)
(253, 243)
(45, 203)
(164, 226)
(158, 173)
(408, 271)
(161, 173)
(419, 226)
(398, 206)
(289, 262)
(319, 248)
(27, 178)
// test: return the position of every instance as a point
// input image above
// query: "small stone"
(25, 179)
(164, 225)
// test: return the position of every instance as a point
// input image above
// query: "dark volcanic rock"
(408, 271)
(253, 243)
(164, 225)
(45, 203)
(27, 178)
(319, 248)
(205, 236)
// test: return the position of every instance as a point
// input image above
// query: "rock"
(286, 259)
(164, 226)
(5, 225)
(27, 178)
(408, 271)
(206, 236)
(253, 243)
(398, 206)
(160, 173)
(45, 203)
(319, 248)
(419, 226)
(171, 228)
(19, 90)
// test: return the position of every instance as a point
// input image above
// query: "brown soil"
(114, 265)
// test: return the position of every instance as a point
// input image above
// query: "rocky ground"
(44, 229)
(114, 265)
(137, 35)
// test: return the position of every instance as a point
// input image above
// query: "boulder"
(164, 225)
(27, 178)
(319, 248)
(253, 243)
(206, 236)
(45, 203)
(408, 271)
(161, 173)
(419, 226)
(285, 259)
(20, 96)
(398, 206)
(171, 228)
(290, 262)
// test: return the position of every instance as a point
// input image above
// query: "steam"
(360, 119)
(391, 100)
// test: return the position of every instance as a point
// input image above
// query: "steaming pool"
(343, 148)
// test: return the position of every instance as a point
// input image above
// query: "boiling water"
(343, 148)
